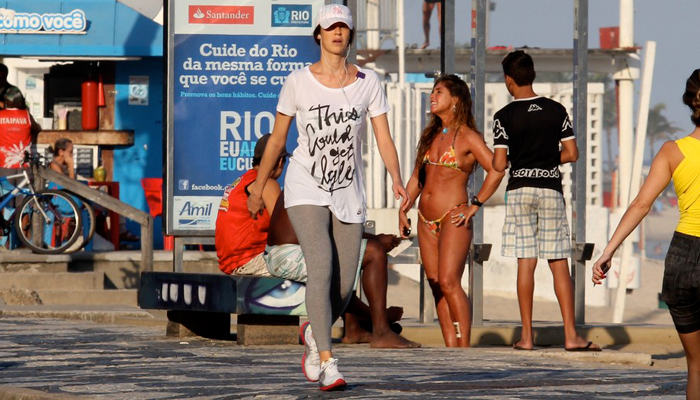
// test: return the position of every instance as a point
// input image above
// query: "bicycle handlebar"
(32, 159)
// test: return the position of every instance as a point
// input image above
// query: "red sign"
(228, 15)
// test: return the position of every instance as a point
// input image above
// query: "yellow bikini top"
(448, 158)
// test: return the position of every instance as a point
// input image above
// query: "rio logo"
(291, 15)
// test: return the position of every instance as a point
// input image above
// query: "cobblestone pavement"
(78, 358)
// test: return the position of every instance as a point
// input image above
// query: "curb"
(505, 335)
(604, 356)
(105, 317)
(428, 335)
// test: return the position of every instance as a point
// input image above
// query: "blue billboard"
(226, 66)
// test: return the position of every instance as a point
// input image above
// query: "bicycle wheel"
(88, 220)
(48, 222)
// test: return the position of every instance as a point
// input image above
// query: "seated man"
(285, 260)
(240, 240)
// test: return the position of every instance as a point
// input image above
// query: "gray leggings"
(332, 251)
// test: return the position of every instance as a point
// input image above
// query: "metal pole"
(401, 43)
(625, 78)
(626, 101)
(426, 302)
(352, 5)
(626, 23)
(580, 174)
(635, 181)
(169, 118)
(477, 77)
(447, 38)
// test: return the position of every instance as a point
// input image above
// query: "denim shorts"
(681, 287)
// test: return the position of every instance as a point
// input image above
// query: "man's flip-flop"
(516, 347)
(585, 348)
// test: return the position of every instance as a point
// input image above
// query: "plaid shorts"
(536, 225)
(287, 261)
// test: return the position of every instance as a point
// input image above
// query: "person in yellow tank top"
(678, 160)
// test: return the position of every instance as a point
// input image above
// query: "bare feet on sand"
(356, 336)
(390, 340)
(523, 344)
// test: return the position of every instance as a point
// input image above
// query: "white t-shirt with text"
(326, 166)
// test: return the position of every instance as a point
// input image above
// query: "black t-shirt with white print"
(531, 129)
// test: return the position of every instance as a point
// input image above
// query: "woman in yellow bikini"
(448, 151)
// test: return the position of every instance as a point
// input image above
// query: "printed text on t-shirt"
(336, 144)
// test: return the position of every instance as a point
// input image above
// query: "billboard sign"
(226, 65)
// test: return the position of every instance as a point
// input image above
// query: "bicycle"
(47, 221)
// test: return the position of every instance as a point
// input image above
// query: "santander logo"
(227, 15)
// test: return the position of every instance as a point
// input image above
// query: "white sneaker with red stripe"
(310, 361)
(330, 378)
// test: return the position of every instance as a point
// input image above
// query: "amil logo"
(291, 15)
(195, 213)
(227, 15)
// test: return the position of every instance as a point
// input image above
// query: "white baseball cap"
(332, 13)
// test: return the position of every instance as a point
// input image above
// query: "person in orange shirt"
(240, 240)
(18, 132)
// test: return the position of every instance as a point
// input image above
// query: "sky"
(673, 24)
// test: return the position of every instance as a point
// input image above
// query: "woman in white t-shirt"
(324, 189)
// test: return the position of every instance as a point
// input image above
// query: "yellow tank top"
(686, 181)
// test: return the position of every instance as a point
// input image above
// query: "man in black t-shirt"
(528, 132)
